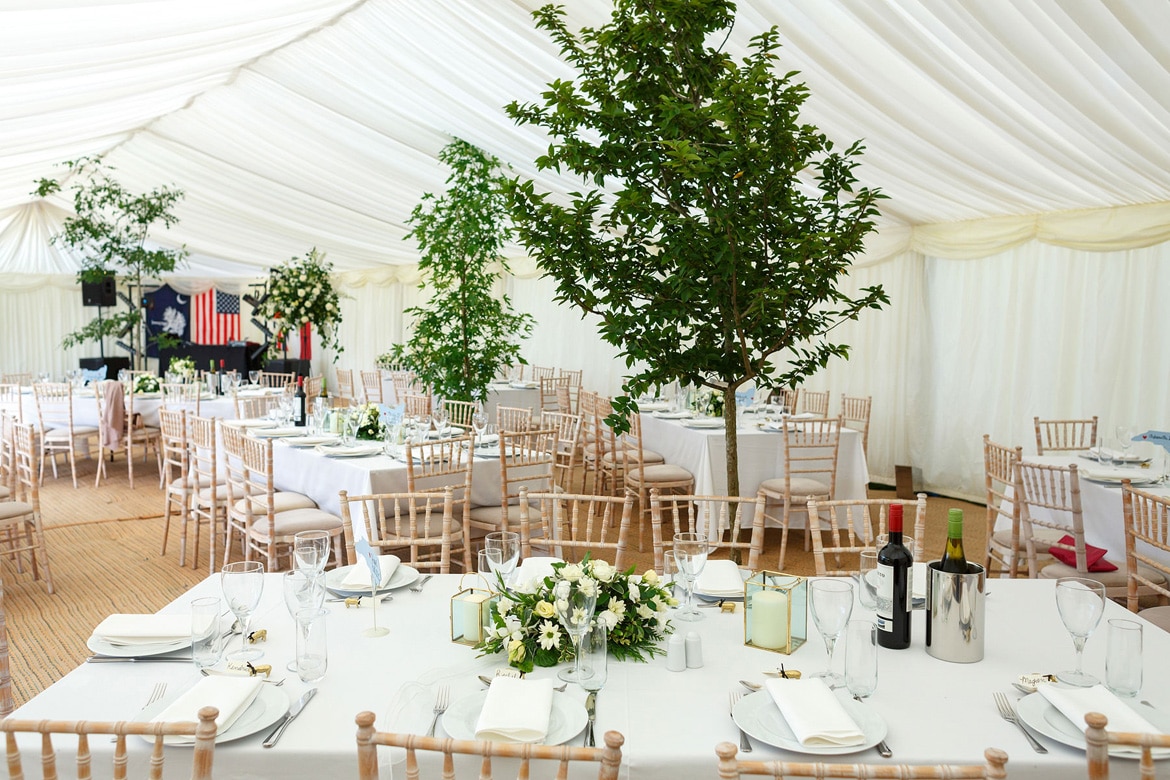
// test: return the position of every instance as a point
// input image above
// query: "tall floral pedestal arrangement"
(301, 295)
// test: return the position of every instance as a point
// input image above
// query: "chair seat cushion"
(5, 493)
(1110, 579)
(282, 501)
(801, 487)
(204, 494)
(14, 509)
(663, 472)
(62, 434)
(296, 520)
(1044, 538)
(631, 456)
(494, 515)
(1159, 616)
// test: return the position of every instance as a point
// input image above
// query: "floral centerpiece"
(371, 427)
(182, 366)
(301, 292)
(525, 624)
(145, 383)
(706, 402)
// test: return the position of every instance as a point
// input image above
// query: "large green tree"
(714, 226)
(465, 334)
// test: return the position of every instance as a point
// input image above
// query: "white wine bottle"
(953, 560)
(895, 587)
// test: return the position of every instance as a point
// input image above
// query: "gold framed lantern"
(775, 615)
(471, 611)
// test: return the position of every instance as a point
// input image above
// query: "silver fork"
(1008, 713)
(442, 699)
(417, 587)
(744, 745)
(156, 693)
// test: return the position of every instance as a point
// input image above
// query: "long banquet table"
(85, 409)
(936, 711)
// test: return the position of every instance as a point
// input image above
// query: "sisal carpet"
(104, 549)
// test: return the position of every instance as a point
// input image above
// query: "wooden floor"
(105, 550)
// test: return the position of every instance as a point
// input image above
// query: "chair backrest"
(203, 733)
(279, 379)
(459, 413)
(788, 397)
(722, 518)
(175, 448)
(54, 404)
(255, 407)
(423, 523)
(404, 383)
(852, 528)
(206, 470)
(608, 758)
(565, 399)
(18, 379)
(436, 465)
(416, 405)
(10, 398)
(24, 460)
(574, 376)
(855, 412)
(1064, 435)
(513, 418)
(548, 392)
(542, 372)
(1147, 527)
(182, 395)
(814, 402)
(568, 435)
(810, 453)
(372, 386)
(1098, 740)
(313, 386)
(1050, 496)
(526, 461)
(993, 768)
(575, 524)
(998, 481)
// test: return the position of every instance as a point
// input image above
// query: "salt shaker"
(676, 654)
(694, 650)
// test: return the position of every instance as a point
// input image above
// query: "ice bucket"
(954, 613)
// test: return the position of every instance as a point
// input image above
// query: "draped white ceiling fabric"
(1033, 133)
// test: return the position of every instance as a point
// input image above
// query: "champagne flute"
(311, 551)
(503, 551)
(832, 604)
(1080, 602)
(574, 607)
(690, 554)
(242, 584)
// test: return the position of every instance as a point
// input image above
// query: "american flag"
(215, 318)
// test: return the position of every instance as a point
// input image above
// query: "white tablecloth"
(498, 395)
(85, 410)
(761, 456)
(936, 711)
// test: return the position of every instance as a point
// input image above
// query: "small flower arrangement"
(300, 292)
(525, 624)
(146, 383)
(707, 402)
(370, 425)
(182, 366)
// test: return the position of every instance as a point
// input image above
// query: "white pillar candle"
(769, 619)
(470, 611)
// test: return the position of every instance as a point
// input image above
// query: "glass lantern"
(775, 615)
(471, 610)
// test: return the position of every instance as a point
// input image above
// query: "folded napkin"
(230, 695)
(143, 629)
(488, 439)
(358, 577)
(720, 578)
(1104, 473)
(516, 710)
(533, 569)
(1094, 556)
(813, 713)
(1075, 703)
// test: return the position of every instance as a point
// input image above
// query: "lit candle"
(471, 615)
(770, 619)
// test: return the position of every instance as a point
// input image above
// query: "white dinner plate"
(1116, 478)
(276, 433)
(103, 647)
(653, 406)
(251, 422)
(1039, 714)
(362, 450)
(565, 721)
(671, 415)
(311, 441)
(1116, 455)
(704, 422)
(404, 575)
(524, 385)
(744, 573)
(758, 715)
(151, 394)
(268, 707)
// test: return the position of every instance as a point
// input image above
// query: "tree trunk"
(730, 434)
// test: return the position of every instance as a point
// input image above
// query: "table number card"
(1161, 438)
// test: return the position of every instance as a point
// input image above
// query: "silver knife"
(120, 659)
(591, 709)
(293, 712)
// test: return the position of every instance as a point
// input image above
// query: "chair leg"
(166, 525)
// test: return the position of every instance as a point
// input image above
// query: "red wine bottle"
(299, 403)
(895, 587)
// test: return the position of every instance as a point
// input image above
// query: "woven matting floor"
(104, 548)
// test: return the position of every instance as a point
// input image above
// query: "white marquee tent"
(1025, 147)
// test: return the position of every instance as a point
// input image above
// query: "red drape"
(307, 341)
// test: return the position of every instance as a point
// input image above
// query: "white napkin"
(143, 629)
(1075, 703)
(358, 576)
(516, 710)
(488, 439)
(813, 713)
(720, 578)
(231, 695)
(533, 569)
(1106, 473)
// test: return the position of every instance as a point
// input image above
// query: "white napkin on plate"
(516, 710)
(231, 695)
(720, 578)
(1075, 703)
(358, 576)
(488, 439)
(813, 713)
(124, 629)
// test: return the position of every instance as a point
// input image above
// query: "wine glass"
(690, 554)
(832, 604)
(1080, 603)
(1125, 436)
(311, 551)
(242, 584)
(574, 607)
(503, 551)
(302, 590)
(440, 417)
(479, 422)
(254, 377)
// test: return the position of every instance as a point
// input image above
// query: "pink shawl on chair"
(113, 420)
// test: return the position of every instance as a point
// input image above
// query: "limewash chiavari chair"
(542, 372)
(203, 733)
(1147, 529)
(11, 399)
(608, 758)
(1098, 741)
(22, 517)
(372, 386)
(19, 379)
(841, 519)
(569, 525)
(513, 418)
(421, 523)
(345, 386)
(436, 465)
(591, 440)
(313, 387)
(573, 375)
(787, 397)
(619, 453)
(254, 407)
(416, 405)
(7, 456)
(177, 479)
(58, 433)
(526, 461)
(136, 432)
(855, 412)
(210, 497)
(810, 471)
(643, 470)
(548, 392)
(565, 399)
(730, 768)
(713, 516)
(277, 379)
(568, 428)
(404, 385)
(182, 395)
(459, 413)
(1006, 547)
(1064, 435)
(815, 403)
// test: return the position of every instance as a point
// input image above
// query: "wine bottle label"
(884, 593)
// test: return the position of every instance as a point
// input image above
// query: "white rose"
(572, 572)
(609, 619)
(645, 612)
(618, 607)
(588, 586)
(603, 571)
(635, 594)
(650, 577)
(561, 590)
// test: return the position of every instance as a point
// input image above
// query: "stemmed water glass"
(832, 604)
(311, 551)
(503, 551)
(1124, 441)
(242, 584)
(439, 415)
(1080, 603)
(574, 607)
(690, 554)
(254, 377)
(479, 422)
(302, 590)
